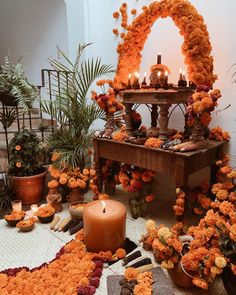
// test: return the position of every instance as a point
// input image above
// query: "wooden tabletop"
(153, 96)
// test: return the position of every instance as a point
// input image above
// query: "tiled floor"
(41, 244)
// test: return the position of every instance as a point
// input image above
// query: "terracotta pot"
(75, 195)
(29, 189)
(229, 281)
(180, 277)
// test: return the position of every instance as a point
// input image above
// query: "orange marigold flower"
(120, 253)
(225, 170)
(133, 11)
(205, 119)
(18, 164)
(116, 14)
(53, 184)
(103, 197)
(131, 274)
(18, 147)
(200, 283)
(115, 32)
(222, 194)
(149, 198)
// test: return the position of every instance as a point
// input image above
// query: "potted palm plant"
(27, 174)
(15, 89)
(72, 109)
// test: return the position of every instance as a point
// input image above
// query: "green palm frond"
(72, 109)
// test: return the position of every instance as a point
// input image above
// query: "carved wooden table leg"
(154, 115)
(128, 119)
(164, 111)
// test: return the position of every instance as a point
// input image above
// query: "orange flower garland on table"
(73, 271)
(196, 46)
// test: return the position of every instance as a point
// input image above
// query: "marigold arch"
(196, 46)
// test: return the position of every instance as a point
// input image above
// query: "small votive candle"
(16, 205)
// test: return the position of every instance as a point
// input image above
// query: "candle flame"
(129, 76)
(181, 70)
(159, 74)
(136, 74)
(159, 53)
(103, 207)
(166, 73)
(145, 74)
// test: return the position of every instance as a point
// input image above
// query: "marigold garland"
(196, 46)
(73, 271)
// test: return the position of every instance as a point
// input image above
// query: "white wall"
(221, 21)
(33, 28)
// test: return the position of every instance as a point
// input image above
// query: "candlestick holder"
(136, 84)
(144, 83)
(129, 85)
(191, 84)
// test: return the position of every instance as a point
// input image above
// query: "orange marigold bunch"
(180, 202)
(153, 142)
(219, 134)
(144, 285)
(76, 178)
(120, 135)
(124, 15)
(134, 179)
(108, 102)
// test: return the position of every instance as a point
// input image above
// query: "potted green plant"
(27, 174)
(73, 109)
(15, 89)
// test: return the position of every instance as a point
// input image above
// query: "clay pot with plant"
(27, 174)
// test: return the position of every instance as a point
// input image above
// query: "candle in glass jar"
(16, 205)
(104, 225)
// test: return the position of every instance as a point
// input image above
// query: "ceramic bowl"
(46, 219)
(13, 222)
(76, 209)
(25, 225)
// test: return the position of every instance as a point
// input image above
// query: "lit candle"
(104, 225)
(136, 84)
(180, 74)
(129, 86)
(16, 205)
(159, 58)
